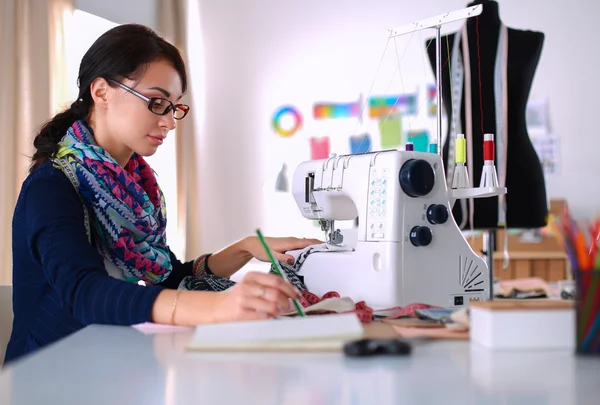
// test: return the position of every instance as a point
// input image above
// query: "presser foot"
(334, 237)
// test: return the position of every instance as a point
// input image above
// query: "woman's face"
(129, 126)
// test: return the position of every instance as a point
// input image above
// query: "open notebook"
(318, 332)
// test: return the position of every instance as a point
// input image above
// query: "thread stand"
(436, 23)
(488, 187)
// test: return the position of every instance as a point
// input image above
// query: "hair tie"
(78, 107)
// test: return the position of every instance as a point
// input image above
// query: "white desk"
(120, 365)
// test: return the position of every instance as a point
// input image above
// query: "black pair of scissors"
(374, 347)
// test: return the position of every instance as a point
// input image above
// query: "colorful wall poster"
(360, 144)
(547, 147)
(383, 106)
(390, 130)
(419, 138)
(431, 100)
(336, 110)
(286, 121)
(546, 143)
(319, 148)
(537, 116)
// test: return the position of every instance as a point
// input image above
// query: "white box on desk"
(523, 324)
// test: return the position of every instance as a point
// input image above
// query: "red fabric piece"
(362, 310)
(407, 311)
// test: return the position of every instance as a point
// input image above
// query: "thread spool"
(489, 177)
(488, 147)
(461, 175)
(461, 148)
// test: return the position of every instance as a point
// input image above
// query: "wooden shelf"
(532, 255)
(549, 266)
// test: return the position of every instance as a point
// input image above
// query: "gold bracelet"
(175, 306)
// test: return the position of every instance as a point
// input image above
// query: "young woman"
(90, 221)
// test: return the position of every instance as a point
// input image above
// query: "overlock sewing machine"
(407, 248)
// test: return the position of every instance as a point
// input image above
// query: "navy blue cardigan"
(60, 284)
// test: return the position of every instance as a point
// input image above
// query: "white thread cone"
(461, 176)
(489, 178)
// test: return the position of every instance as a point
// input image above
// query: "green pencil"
(278, 269)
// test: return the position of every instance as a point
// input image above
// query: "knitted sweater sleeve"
(58, 242)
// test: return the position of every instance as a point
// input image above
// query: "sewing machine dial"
(420, 236)
(437, 214)
(417, 177)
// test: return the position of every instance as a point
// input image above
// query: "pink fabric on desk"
(362, 310)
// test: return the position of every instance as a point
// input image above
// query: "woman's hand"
(278, 246)
(229, 260)
(256, 296)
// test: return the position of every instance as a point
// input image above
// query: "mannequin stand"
(489, 242)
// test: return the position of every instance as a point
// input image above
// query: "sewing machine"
(407, 248)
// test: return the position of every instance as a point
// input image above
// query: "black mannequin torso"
(526, 197)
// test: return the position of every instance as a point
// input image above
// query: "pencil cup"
(587, 311)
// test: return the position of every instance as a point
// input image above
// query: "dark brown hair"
(122, 52)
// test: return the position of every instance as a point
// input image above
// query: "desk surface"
(121, 365)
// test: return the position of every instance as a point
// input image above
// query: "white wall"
(122, 11)
(261, 54)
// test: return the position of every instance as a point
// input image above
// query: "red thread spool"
(488, 147)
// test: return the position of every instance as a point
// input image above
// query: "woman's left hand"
(278, 246)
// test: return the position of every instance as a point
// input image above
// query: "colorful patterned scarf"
(129, 215)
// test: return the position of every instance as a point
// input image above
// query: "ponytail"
(46, 141)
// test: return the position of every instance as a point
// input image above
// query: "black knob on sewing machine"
(421, 236)
(437, 214)
(417, 177)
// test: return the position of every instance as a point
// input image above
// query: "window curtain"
(172, 23)
(32, 87)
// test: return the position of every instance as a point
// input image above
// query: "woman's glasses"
(158, 105)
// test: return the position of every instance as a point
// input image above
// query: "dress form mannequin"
(525, 201)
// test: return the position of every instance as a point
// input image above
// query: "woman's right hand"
(256, 296)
